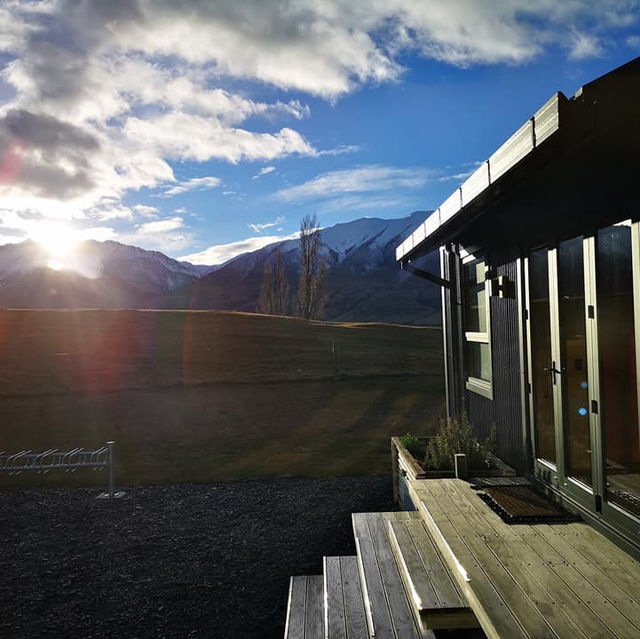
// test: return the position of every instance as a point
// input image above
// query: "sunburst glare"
(60, 242)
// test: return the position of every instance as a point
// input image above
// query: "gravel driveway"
(182, 560)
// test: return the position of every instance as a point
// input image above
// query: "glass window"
(479, 359)
(539, 315)
(476, 298)
(573, 353)
(476, 322)
(614, 272)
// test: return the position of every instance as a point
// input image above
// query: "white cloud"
(91, 116)
(221, 253)
(10, 239)
(584, 45)
(364, 203)
(361, 179)
(258, 228)
(101, 97)
(145, 210)
(194, 184)
(169, 235)
(633, 41)
(17, 227)
(99, 233)
(186, 136)
(117, 212)
(160, 226)
(265, 170)
(340, 150)
(458, 177)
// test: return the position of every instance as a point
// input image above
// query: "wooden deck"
(454, 564)
(531, 581)
(345, 617)
(389, 613)
(436, 599)
(305, 608)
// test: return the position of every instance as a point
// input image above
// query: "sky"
(205, 128)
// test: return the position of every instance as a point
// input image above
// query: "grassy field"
(201, 396)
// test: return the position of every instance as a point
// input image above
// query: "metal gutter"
(435, 279)
(540, 127)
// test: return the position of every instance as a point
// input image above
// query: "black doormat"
(522, 505)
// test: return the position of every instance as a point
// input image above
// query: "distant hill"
(365, 282)
(99, 275)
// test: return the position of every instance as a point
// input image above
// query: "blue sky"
(206, 129)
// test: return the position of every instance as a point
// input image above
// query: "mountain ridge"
(364, 281)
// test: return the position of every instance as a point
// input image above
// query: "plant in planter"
(416, 446)
(457, 437)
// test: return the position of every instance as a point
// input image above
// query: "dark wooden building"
(540, 276)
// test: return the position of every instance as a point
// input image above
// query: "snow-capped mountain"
(341, 240)
(96, 274)
(364, 281)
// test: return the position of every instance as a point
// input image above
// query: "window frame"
(475, 384)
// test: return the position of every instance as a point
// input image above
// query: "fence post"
(460, 465)
(335, 350)
(111, 493)
(111, 461)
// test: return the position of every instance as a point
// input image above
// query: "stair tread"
(389, 614)
(344, 605)
(305, 618)
(431, 584)
(436, 600)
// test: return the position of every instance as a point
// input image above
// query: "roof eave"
(544, 124)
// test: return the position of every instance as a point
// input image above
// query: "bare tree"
(282, 292)
(312, 285)
(275, 292)
(266, 299)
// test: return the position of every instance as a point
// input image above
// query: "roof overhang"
(471, 196)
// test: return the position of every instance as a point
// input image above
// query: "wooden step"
(436, 600)
(305, 618)
(343, 600)
(387, 607)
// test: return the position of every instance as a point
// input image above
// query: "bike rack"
(69, 461)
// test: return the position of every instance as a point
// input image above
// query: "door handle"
(553, 370)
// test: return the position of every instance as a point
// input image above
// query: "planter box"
(406, 468)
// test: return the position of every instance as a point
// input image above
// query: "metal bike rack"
(69, 461)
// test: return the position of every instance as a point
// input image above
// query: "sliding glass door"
(583, 297)
(572, 387)
(542, 401)
(616, 253)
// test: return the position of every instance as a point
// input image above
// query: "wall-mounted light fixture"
(502, 287)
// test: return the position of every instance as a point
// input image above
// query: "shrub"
(415, 446)
(457, 437)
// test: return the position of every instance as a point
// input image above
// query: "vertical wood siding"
(504, 411)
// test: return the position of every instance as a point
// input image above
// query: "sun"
(59, 241)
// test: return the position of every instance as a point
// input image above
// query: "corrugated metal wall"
(505, 410)
(453, 333)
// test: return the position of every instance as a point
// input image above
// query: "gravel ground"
(182, 560)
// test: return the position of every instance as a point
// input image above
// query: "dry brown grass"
(199, 396)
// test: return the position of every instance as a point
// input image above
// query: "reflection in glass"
(475, 297)
(542, 388)
(573, 355)
(479, 359)
(614, 273)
